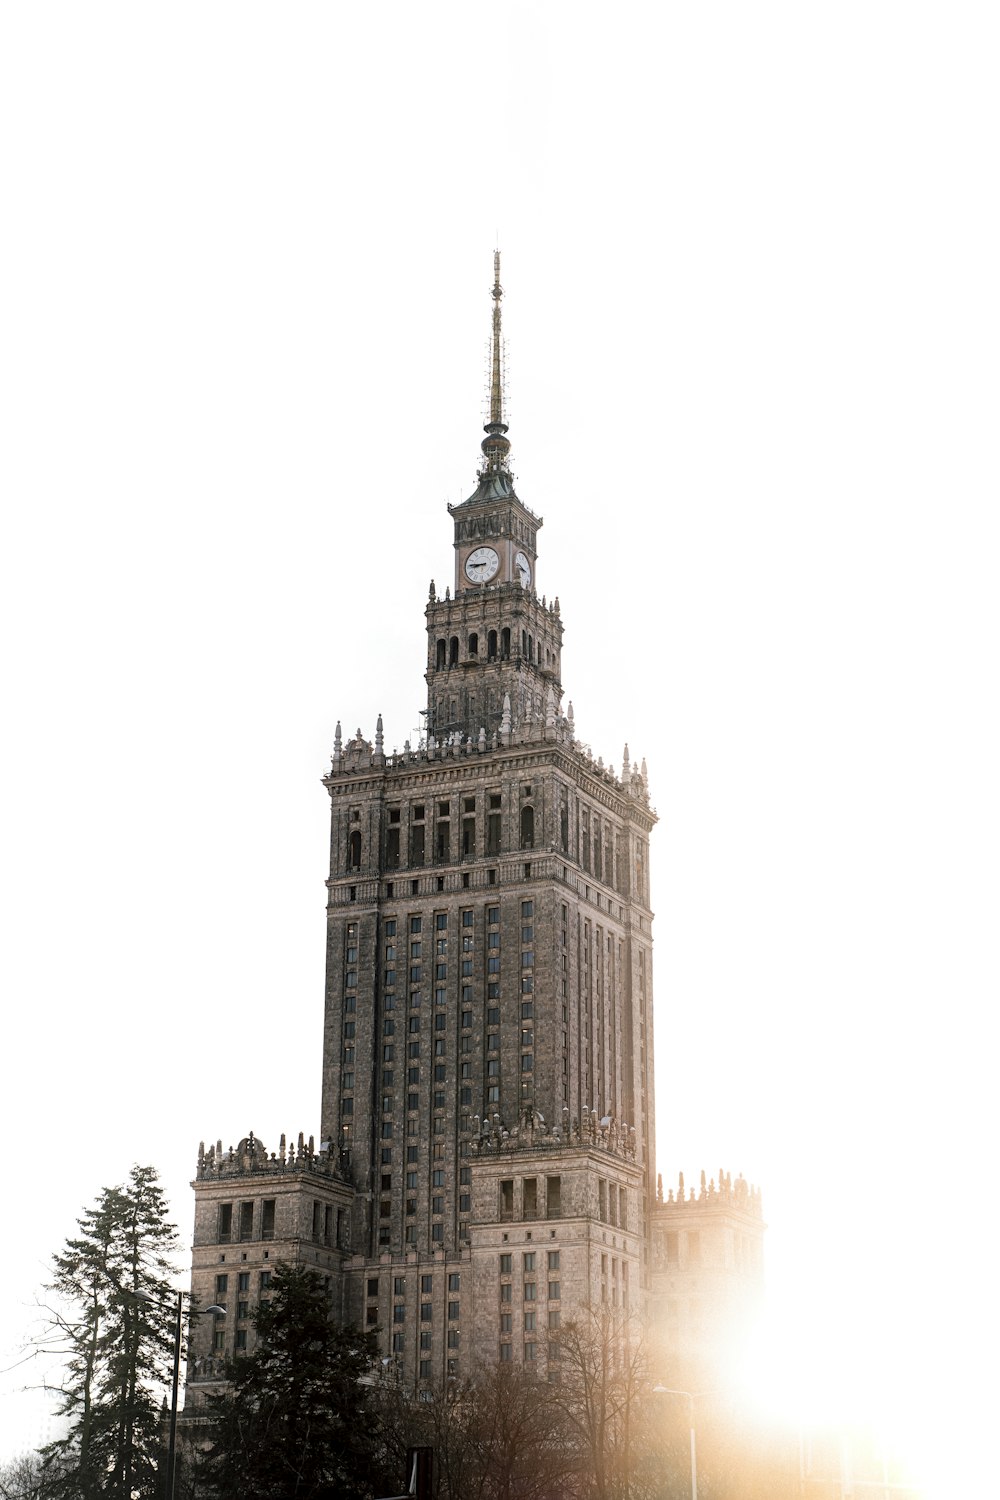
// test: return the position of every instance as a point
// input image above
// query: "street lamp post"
(178, 1329)
(665, 1390)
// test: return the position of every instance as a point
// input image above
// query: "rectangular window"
(225, 1223)
(221, 1285)
(529, 1291)
(454, 1281)
(553, 1291)
(505, 1265)
(243, 1282)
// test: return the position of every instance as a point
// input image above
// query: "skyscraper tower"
(488, 1042)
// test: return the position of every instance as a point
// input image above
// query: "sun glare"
(865, 1400)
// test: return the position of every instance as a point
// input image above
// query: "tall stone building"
(485, 1164)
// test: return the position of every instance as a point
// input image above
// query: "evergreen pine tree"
(292, 1423)
(117, 1344)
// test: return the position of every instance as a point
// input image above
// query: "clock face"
(523, 568)
(481, 565)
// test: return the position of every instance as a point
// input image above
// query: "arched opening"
(491, 645)
(354, 851)
(453, 651)
(473, 644)
(527, 827)
(505, 641)
(524, 643)
(441, 653)
(531, 648)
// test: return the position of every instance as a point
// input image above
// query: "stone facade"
(255, 1210)
(708, 1279)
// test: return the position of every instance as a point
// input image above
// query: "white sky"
(750, 259)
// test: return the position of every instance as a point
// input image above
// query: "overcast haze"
(750, 265)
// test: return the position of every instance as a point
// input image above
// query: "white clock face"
(481, 565)
(523, 567)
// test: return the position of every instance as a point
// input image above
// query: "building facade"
(485, 1167)
(708, 1279)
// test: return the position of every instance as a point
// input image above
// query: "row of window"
(414, 852)
(529, 1320)
(497, 648)
(241, 1222)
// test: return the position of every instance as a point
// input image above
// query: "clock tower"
(494, 643)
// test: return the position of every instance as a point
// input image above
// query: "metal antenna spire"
(496, 389)
(495, 445)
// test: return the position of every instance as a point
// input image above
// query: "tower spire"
(495, 445)
(496, 389)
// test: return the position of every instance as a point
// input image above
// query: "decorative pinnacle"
(495, 445)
